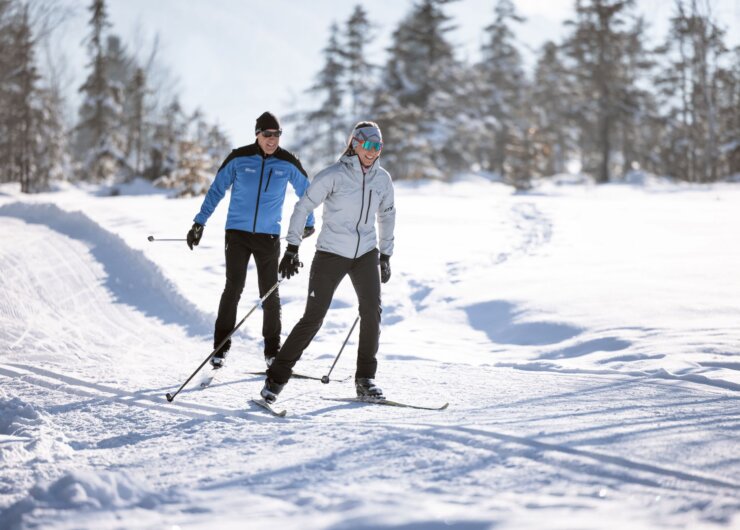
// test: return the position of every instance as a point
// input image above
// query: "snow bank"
(27, 433)
(132, 278)
(83, 492)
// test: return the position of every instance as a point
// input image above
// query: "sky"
(234, 59)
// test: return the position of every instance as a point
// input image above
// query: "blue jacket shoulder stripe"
(289, 157)
(247, 150)
(254, 150)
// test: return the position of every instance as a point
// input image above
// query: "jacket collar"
(353, 161)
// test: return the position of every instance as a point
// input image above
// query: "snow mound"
(81, 492)
(28, 434)
(132, 278)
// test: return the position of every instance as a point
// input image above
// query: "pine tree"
(597, 48)
(168, 130)
(213, 142)
(503, 97)
(51, 152)
(6, 90)
(358, 71)
(412, 100)
(325, 126)
(100, 143)
(194, 172)
(552, 100)
(32, 137)
(24, 112)
(728, 104)
(136, 123)
(695, 52)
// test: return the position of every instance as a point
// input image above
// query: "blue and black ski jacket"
(258, 184)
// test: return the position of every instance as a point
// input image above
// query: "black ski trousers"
(327, 271)
(240, 247)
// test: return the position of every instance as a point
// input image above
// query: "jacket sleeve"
(222, 182)
(299, 181)
(387, 220)
(317, 192)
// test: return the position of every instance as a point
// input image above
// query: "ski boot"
(271, 390)
(217, 361)
(367, 389)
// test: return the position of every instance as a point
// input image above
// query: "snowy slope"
(585, 337)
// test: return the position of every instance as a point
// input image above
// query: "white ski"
(265, 405)
(388, 402)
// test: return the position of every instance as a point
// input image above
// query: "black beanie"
(267, 121)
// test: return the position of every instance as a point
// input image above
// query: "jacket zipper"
(259, 192)
(357, 227)
(269, 177)
(369, 202)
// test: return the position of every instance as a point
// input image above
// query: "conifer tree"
(136, 121)
(358, 71)
(169, 129)
(695, 54)
(193, 175)
(552, 99)
(503, 97)
(24, 113)
(599, 50)
(324, 135)
(411, 101)
(99, 143)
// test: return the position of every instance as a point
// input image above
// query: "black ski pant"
(327, 271)
(240, 247)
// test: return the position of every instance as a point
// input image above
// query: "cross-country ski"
(387, 402)
(269, 408)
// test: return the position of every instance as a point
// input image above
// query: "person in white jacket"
(356, 193)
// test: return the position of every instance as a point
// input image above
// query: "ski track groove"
(658, 375)
(143, 399)
(468, 436)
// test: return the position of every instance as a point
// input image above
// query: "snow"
(586, 338)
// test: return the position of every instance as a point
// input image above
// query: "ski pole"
(152, 238)
(169, 396)
(325, 379)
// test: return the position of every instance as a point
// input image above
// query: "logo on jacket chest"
(249, 170)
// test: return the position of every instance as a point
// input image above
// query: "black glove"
(308, 231)
(385, 268)
(290, 263)
(194, 235)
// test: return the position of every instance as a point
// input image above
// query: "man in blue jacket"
(258, 175)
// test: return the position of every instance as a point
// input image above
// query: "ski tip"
(265, 405)
(444, 406)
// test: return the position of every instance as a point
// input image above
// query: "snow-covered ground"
(586, 339)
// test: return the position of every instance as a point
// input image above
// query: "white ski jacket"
(351, 203)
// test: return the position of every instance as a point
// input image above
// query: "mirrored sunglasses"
(368, 145)
(270, 134)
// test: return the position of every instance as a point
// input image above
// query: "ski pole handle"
(152, 238)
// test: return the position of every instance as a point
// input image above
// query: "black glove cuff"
(385, 257)
(292, 248)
